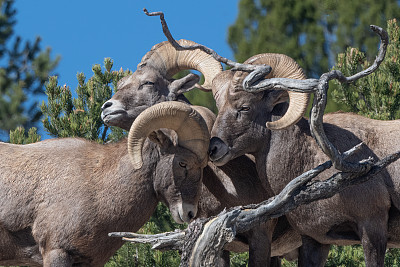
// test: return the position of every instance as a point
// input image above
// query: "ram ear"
(161, 139)
(182, 85)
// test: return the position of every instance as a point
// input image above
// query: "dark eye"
(144, 84)
(182, 164)
(244, 108)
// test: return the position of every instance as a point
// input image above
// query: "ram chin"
(176, 212)
(180, 212)
(222, 160)
(112, 119)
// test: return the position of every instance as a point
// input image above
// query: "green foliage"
(392, 257)
(24, 69)
(288, 26)
(345, 256)
(18, 136)
(349, 21)
(65, 116)
(143, 255)
(239, 259)
(286, 263)
(378, 95)
(196, 96)
(351, 256)
(310, 31)
(201, 98)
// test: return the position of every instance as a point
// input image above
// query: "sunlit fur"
(60, 198)
(357, 214)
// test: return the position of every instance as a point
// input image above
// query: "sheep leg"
(57, 258)
(260, 245)
(374, 241)
(275, 262)
(224, 261)
(312, 253)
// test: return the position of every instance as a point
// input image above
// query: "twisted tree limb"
(203, 241)
(261, 69)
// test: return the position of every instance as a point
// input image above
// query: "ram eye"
(148, 83)
(244, 108)
(182, 164)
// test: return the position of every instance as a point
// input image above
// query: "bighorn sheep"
(61, 197)
(152, 82)
(284, 148)
(234, 184)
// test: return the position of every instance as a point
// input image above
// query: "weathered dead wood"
(164, 241)
(202, 242)
(320, 97)
(260, 69)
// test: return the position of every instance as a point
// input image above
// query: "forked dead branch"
(259, 69)
(201, 244)
(203, 241)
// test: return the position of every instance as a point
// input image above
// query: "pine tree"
(309, 31)
(312, 32)
(65, 116)
(288, 27)
(24, 70)
(18, 136)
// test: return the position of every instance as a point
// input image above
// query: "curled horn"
(167, 59)
(282, 67)
(189, 125)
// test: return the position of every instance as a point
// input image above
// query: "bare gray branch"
(265, 69)
(211, 235)
(320, 98)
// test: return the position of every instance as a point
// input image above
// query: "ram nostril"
(212, 150)
(106, 105)
(217, 148)
(213, 147)
(190, 215)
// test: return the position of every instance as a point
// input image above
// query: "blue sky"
(84, 32)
